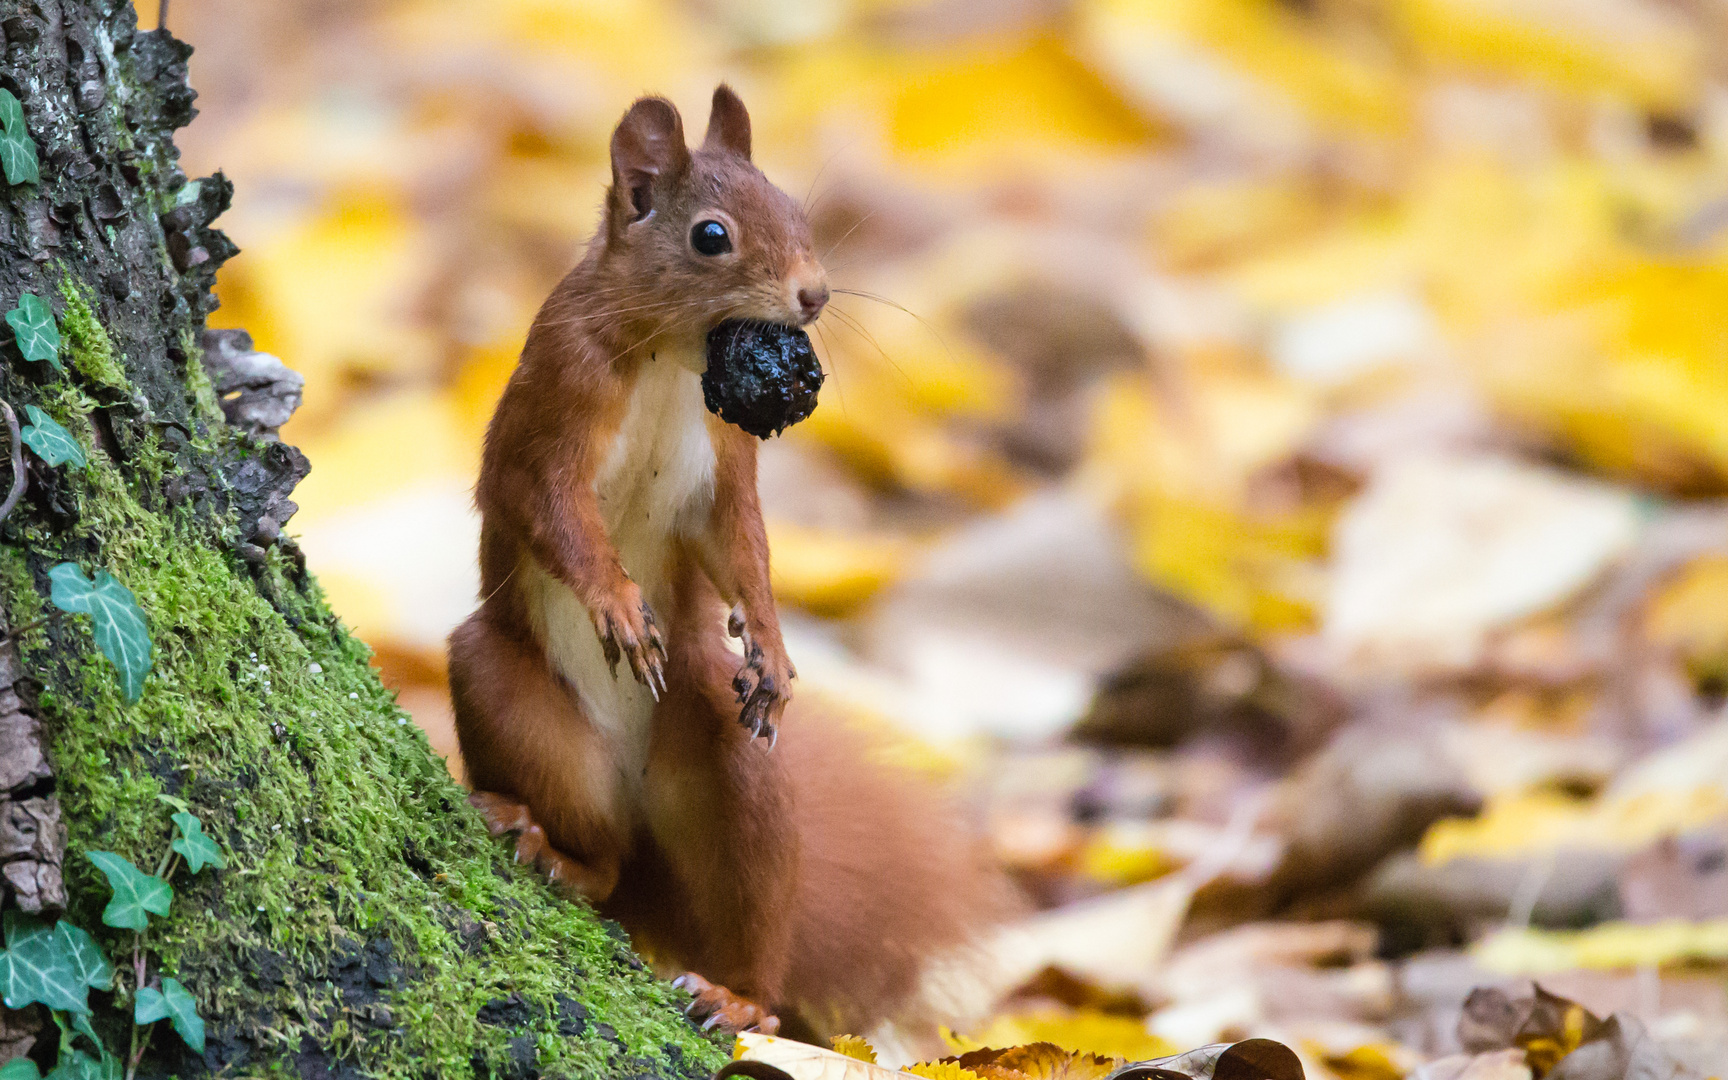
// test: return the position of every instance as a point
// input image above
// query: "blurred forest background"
(1280, 485)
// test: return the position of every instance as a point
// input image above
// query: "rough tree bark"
(364, 923)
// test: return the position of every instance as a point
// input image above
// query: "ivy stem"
(133, 1054)
(17, 491)
(22, 630)
(166, 866)
(138, 1048)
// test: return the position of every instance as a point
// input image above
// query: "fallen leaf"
(853, 1046)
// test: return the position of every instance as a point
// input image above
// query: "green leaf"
(17, 148)
(85, 955)
(52, 443)
(77, 1065)
(121, 632)
(20, 1069)
(135, 892)
(197, 849)
(33, 325)
(109, 1065)
(36, 966)
(174, 1003)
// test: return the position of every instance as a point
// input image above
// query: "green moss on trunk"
(337, 818)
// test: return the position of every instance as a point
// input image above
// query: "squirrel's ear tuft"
(648, 151)
(728, 124)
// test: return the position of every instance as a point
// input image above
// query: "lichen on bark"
(365, 924)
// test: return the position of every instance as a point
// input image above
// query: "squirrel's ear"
(647, 150)
(728, 124)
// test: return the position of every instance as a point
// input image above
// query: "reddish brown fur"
(810, 876)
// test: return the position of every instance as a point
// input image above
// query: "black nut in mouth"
(762, 377)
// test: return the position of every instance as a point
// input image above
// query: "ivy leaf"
(109, 1066)
(11, 111)
(17, 148)
(197, 848)
(121, 633)
(33, 325)
(52, 443)
(85, 955)
(176, 1004)
(37, 967)
(135, 892)
(20, 1069)
(77, 1065)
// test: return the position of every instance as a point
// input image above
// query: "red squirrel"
(620, 524)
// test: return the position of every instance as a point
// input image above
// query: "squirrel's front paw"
(627, 631)
(764, 683)
(717, 1007)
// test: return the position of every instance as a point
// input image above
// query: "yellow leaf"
(1078, 1031)
(1116, 859)
(1209, 223)
(1370, 1062)
(1183, 467)
(403, 440)
(1637, 51)
(941, 1070)
(853, 1046)
(1269, 59)
(1609, 946)
(1628, 368)
(1689, 617)
(976, 103)
(1508, 826)
(831, 574)
(1680, 787)
(335, 296)
(985, 98)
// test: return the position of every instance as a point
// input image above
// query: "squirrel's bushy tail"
(892, 879)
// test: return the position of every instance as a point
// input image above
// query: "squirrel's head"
(704, 231)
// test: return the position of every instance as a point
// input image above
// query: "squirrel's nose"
(812, 299)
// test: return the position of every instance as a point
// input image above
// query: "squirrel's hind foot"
(716, 1006)
(505, 815)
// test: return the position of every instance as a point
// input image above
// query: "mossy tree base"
(365, 924)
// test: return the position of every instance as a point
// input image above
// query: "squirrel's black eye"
(709, 238)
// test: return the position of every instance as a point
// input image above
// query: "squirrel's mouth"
(761, 376)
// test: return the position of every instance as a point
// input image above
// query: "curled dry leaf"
(1553, 1038)
(1251, 1059)
(797, 1061)
(1037, 1061)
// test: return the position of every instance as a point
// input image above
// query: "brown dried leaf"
(1251, 1059)
(1553, 1028)
(1036, 1061)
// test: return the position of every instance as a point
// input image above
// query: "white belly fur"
(656, 482)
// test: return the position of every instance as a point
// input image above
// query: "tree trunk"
(364, 922)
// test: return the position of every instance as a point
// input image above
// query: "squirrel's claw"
(640, 646)
(718, 1007)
